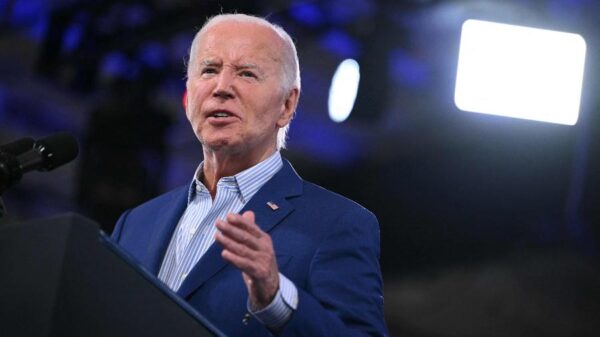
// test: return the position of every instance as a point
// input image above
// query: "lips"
(221, 116)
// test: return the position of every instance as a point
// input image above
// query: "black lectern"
(62, 277)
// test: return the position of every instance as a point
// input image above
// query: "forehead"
(233, 41)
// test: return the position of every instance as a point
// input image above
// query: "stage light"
(520, 72)
(342, 93)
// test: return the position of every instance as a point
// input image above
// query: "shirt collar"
(247, 182)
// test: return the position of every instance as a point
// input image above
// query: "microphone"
(49, 153)
(46, 154)
(18, 146)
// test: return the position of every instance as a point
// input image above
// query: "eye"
(247, 73)
(208, 70)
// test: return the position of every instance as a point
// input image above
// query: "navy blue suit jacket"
(326, 244)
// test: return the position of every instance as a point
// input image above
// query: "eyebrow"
(252, 66)
(247, 65)
(211, 62)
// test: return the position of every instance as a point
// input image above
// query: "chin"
(220, 144)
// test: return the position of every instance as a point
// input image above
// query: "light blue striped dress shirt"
(196, 230)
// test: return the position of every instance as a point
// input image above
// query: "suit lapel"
(168, 216)
(284, 184)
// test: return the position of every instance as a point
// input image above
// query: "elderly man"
(256, 249)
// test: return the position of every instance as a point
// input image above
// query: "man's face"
(236, 101)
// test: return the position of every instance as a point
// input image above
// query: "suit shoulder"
(137, 221)
(319, 194)
(176, 193)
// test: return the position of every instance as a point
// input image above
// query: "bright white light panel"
(520, 72)
(343, 90)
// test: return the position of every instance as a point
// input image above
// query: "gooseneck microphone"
(46, 154)
(18, 146)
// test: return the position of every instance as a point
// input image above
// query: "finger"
(245, 221)
(237, 234)
(255, 270)
(249, 216)
(244, 264)
(234, 246)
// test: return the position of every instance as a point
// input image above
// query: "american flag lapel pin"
(272, 205)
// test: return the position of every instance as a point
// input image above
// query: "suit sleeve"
(344, 295)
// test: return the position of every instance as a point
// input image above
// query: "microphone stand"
(7, 162)
(4, 218)
(2, 209)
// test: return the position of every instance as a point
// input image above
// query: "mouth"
(219, 114)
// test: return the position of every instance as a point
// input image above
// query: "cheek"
(192, 112)
(194, 99)
(195, 90)
(275, 110)
(189, 108)
(189, 117)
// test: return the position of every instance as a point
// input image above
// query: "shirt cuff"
(280, 310)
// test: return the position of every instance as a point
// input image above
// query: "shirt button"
(193, 231)
(184, 275)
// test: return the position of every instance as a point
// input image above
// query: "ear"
(289, 107)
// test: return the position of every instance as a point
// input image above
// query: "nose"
(224, 86)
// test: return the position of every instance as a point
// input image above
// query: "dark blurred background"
(489, 225)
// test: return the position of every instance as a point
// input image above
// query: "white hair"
(290, 63)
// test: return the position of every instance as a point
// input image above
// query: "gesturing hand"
(250, 249)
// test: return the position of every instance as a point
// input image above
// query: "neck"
(218, 164)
